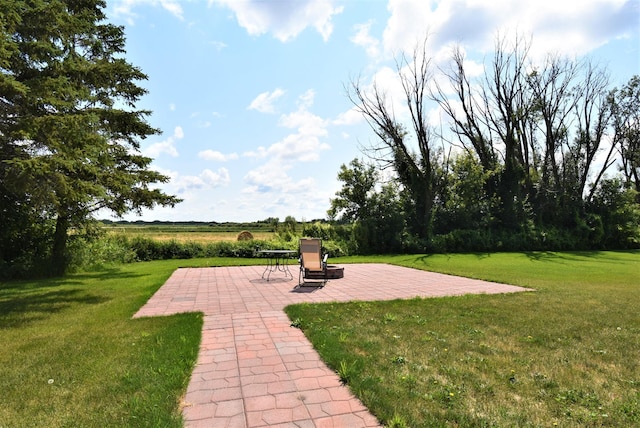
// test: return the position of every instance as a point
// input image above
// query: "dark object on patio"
(312, 261)
(333, 272)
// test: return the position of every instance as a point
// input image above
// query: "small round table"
(277, 261)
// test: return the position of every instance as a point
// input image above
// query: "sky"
(251, 95)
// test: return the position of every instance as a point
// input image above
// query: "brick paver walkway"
(253, 368)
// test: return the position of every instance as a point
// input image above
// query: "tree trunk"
(59, 249)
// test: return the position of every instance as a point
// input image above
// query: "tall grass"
(184, 235)
(565, 355)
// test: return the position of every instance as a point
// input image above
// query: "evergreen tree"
(69, 128)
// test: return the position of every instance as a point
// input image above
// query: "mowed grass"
(72, 356)
(564, 355)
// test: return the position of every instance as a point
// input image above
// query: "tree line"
(529, 156)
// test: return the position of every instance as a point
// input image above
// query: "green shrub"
(335, 249)
(245, 249)
(86, 253)
(146, 249)
(542, 239)
(324, 231)
(25, 243)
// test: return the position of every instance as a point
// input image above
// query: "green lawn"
(71, 355)
(566, 354)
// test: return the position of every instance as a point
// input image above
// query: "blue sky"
(250, 94)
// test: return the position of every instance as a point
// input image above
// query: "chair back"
(311, 253)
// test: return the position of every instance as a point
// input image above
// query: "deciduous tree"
(409, 150)
(625, 107)
(352, 200)
(372, 208)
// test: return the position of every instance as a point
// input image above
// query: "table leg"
(285, 267)
(268, 269)
(277, 262)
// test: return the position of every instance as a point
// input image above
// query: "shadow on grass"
(558, 256)
(552, 256)
(104, 275)
(24, 302)
(20, 310)
(423, 258)
(73, 279)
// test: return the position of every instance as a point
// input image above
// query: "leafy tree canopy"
(69, 128)
(625, 107)
(352, 201)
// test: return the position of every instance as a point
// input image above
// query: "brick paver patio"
(253, 368)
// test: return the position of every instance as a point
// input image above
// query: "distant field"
(200, 234)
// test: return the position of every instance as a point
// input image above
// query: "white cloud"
(285, 19)
(264, 102)
(260, 152)
(269, 177)
(363, 38)
(272, 177)
(124, 8)
(306, 99)
(217, 156)
(303, 145)
(565, 28)
(273, 190)
(388, 83)
(572, 28)
(215, 179)
(206, 179)
(306, 122)
(349, 117)
(187, 183)
(172, 7)
(167, 146)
